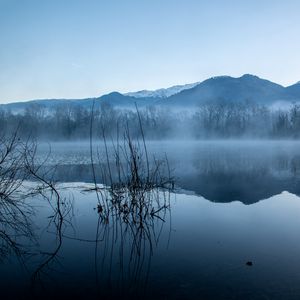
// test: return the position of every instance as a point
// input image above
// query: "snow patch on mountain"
(161, 93)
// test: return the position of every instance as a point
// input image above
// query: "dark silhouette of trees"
(213, 120)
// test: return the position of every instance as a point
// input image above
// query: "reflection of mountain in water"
(246, 187)
(246, 179)
(224, 173)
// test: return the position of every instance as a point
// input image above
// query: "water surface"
(235, 203)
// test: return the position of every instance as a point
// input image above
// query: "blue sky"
(82, 48)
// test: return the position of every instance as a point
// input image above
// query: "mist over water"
(218, 170)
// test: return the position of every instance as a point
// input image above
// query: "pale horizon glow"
(79, 49)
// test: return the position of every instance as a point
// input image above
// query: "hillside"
(225, 89)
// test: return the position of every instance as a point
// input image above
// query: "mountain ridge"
(215, 89)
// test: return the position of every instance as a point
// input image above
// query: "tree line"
(215, 120)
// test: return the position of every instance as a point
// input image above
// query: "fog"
(209, 121)
(224, 152)
(219, 170)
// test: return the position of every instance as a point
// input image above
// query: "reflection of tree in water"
(58, 222)
(14, 224)
(17, 235)
(14, 211)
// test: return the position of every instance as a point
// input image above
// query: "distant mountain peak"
(250, 76)
(161, 93)
(245, 76)
(114, 94)
(219, 77)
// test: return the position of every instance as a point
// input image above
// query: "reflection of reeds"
(132, 205)
(127, 237)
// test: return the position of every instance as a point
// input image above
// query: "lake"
(231, 231)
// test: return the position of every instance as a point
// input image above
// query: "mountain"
(228, 89)
(121, 100)
(115, 99)
(223, 89)
(294, 90)
(162, 93)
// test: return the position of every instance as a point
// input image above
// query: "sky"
(86, 48)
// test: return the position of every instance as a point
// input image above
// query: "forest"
(209, 121)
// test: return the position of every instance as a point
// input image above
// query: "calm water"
(237, 202)
(247, 171)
